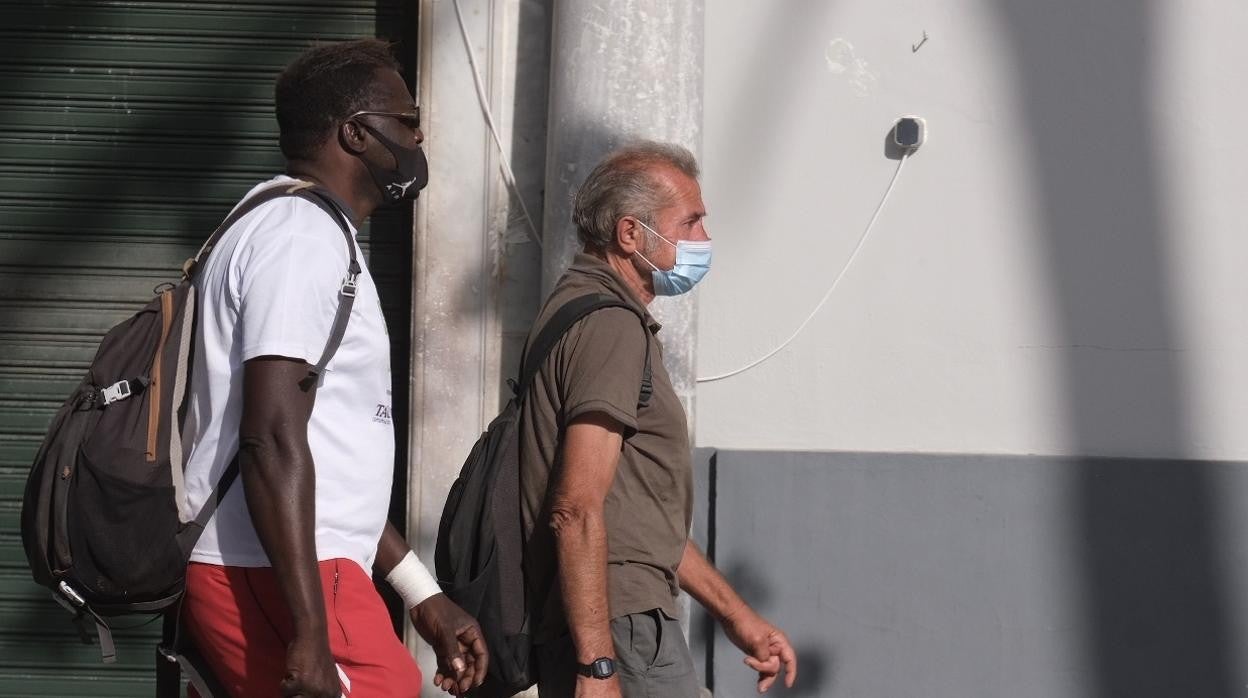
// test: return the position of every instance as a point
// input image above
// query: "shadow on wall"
(388, 245)
(816, 658)
(521, 264)
(96, 164)
(513, 260)
(753, 573)
(1152, 595)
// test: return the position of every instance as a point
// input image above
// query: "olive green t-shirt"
(597, 367)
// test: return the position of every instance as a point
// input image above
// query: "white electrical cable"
(508, 175)
(832, 288)
(510, 179)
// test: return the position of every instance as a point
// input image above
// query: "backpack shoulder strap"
(346, 294)
(328, 203)
(251, 203)
(558, 325)
(346, 299)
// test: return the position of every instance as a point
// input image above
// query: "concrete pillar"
(475, 283)
(620, 71)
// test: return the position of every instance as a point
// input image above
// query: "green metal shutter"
(127, 131)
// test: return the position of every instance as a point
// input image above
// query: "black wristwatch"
(600, 668)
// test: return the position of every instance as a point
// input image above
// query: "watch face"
(603, 668)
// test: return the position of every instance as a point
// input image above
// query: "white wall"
(1058, 270)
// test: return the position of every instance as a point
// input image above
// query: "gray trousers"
(651, 659)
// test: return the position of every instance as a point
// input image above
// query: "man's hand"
(456, 640)
(766, 647)
(310, 669)
(587, 687)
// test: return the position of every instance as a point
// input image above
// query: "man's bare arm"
(279, 481)
(390, 550)
(591, 452)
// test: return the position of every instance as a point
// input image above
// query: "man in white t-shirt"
(279, 595)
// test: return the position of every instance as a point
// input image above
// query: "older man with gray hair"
(606, 468)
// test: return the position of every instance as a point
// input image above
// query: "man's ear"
(629, 235)
(351, 137)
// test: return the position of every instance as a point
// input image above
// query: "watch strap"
(600, 668)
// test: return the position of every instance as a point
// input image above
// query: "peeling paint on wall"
(842, 61)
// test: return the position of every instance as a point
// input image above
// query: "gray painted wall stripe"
(979, 575)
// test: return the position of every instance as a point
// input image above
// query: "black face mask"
(405, 182)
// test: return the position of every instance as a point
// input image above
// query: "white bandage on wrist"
(412, 581)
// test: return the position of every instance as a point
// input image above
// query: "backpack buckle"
(69, 598)
(72, 601)
(117, 391)
(349, 286)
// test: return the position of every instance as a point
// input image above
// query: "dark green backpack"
(479, 552)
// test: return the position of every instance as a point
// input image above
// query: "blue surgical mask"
(693, 261)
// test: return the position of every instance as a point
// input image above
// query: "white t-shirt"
(270, 288)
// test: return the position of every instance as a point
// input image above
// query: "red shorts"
(237, 618)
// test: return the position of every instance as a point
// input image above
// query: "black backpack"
(100, 516)
(479, 553)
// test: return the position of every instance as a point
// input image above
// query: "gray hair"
(623, 184)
